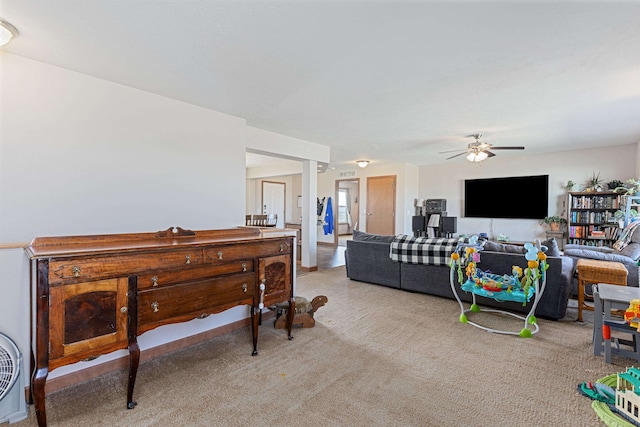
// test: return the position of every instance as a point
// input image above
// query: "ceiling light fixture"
(362, 163)
(7, 32)
(477, 156)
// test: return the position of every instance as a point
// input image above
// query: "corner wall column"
(309, 215)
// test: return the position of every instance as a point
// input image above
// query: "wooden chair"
(272, 220)
(259, 220)
(248, 219)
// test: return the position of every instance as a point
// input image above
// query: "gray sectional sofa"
(367, 260)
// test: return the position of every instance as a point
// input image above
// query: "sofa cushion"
(368, 237)
(586, 253)
(502, 247)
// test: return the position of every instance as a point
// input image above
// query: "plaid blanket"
(422, 250)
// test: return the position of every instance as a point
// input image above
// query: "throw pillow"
(632, 250)
(552, 247)
(368, 237)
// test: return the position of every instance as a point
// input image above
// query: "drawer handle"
(220, 255)
(76, 270)
(123, 309)
(262, 288)
(154, 305)
(154, 281)
(281, 247)
(187, 259)
(244, 266)
(244, 287)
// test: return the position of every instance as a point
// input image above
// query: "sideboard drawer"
(158, 279)
(221, 254)
(194, 299)
(95, 268)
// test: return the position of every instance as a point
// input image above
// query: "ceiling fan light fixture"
(362, 163)
(477, 156)
(7, 32)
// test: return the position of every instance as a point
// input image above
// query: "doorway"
(273, 200)
(381, 205)
(347, 209)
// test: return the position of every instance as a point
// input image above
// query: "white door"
(273, 199)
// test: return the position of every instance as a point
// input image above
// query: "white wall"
(264, 142)
(447, 181)
(80, 155)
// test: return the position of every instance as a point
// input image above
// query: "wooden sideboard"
(92, 295)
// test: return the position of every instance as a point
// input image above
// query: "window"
(342, 207)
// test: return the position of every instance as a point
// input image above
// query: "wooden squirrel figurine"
(303, 316)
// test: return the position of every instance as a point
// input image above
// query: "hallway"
(330, 256)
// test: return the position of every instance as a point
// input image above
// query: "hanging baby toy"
(519, 286)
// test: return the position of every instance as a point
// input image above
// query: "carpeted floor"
(376, 357)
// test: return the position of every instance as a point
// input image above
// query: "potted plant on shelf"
(631, 188)
(594, 183)
(555, 222)
(616, 186)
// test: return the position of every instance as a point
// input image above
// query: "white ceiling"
(395, 81)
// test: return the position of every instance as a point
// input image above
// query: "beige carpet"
(376, 357)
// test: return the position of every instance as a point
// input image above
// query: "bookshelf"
(591, 219)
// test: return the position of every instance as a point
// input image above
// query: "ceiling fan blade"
(459, 154)
(507, 148)
(449, 151)
(489, 153)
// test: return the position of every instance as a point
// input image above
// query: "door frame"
(284, 198)
(335, 206)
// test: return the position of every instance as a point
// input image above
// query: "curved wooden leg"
(254, 329)
(134, 361)
(290, 314)
(134, 348)
(37, 389)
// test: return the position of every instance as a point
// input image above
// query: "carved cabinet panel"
(85, 319)
(275, 273)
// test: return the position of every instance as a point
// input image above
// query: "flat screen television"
(516, 197)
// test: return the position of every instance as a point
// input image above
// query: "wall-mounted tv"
(517, 197)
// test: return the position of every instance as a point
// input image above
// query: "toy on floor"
(303, 316)
(614, 396)
(632, 314)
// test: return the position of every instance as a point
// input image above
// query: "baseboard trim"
(82, 375)
(308, 269)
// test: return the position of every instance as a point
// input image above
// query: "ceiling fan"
(478, 151)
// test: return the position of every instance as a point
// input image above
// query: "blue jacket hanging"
(328, 218)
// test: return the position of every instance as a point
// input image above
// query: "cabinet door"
(88, 319)
(275, 273)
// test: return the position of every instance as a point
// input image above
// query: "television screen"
(518, 197)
